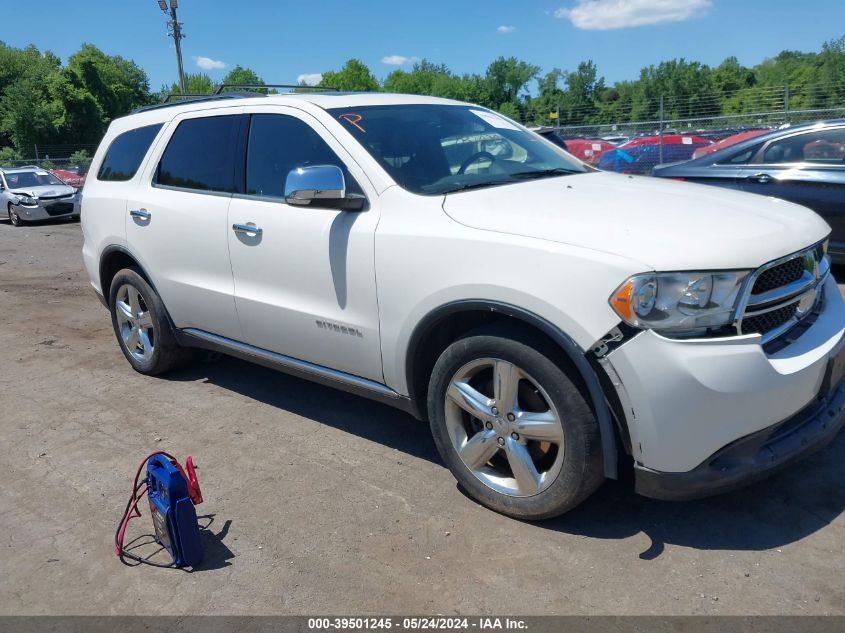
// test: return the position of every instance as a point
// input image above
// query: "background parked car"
(588, 150)
(733, 139)
(69, 177)
(30, 193)
(803, 164)
(640, 155)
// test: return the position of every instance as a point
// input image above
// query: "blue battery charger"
(174, 516)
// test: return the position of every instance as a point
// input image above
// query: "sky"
(284, 40)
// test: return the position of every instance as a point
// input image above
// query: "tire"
(141, 325)
(14, 218)
(549, 407)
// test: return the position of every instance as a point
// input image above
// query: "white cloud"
(206, 63)
(310, 79)
(603, 15)
(397, 60)
(504, 30)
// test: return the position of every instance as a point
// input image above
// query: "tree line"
(43, 101)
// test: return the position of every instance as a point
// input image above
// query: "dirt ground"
(323, 503)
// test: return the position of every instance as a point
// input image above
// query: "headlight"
(27, 200)
(679, 304)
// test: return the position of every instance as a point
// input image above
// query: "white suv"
(547, 319)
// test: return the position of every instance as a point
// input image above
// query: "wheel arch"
(433, 333)
(113, 259)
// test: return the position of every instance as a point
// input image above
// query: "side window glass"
(742, 158)
(126, 152)
(201, 155)
(823, 146)
(277, 145)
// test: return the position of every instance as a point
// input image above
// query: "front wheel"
(14, 218)
(513, 426)
(141, 325)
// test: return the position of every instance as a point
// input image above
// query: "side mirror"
(320, 186)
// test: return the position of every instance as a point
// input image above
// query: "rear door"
(176, 222)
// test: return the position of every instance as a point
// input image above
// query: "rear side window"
(126, 152)
(201, 155)
(279, 144)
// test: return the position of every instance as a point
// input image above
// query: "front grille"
(783, 294)
(60, 197)
(767, 321)
(59, 208)
(780, 275)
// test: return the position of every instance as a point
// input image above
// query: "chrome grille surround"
(774, 311)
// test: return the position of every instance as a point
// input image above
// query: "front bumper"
(49, 209)
(753, 457)
(686, 401)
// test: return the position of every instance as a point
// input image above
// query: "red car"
(726, 142)
(68, 177)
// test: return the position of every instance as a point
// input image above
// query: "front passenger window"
(279, 144)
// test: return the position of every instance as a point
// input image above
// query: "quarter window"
(126, 152)
(277, 145)
(201, 155)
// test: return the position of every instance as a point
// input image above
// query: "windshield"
(436, 149)
(31, 179)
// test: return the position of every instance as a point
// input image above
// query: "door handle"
(141, 214)
(761, 178)
(247, 228)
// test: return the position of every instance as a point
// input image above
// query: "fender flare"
(117, 248)
(564, 341)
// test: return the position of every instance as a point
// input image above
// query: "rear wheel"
(141, 325)
(513, 426)
(14, 218)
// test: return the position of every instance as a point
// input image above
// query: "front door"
(807, 168)
(305, 284)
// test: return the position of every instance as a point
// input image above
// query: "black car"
(804, 164)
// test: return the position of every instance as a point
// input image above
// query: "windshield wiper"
(474, 185)
(544, 173)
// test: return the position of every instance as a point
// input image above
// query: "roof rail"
(190, 98)
(219, 89)
(20, 167)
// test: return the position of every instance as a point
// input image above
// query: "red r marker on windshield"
(353, 119)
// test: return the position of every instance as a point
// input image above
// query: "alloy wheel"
(504, 427)
(14, 218)
(135, 323)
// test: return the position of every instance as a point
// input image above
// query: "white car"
(29, 194)
(549, 320)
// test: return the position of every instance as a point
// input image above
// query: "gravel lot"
(321, 502)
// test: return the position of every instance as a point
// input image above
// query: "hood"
(663, 224)
(44, 191)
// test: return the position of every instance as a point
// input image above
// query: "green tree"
(243, 76)
(116, 84)
(195, 84)
(354, 76)
(29, 113)
(8, 156)
(507, 78)
(81, 157)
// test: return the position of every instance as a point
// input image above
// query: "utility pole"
(174, 30)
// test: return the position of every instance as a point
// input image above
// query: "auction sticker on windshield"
(494, 119)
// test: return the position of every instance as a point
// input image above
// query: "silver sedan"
(29, 194)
